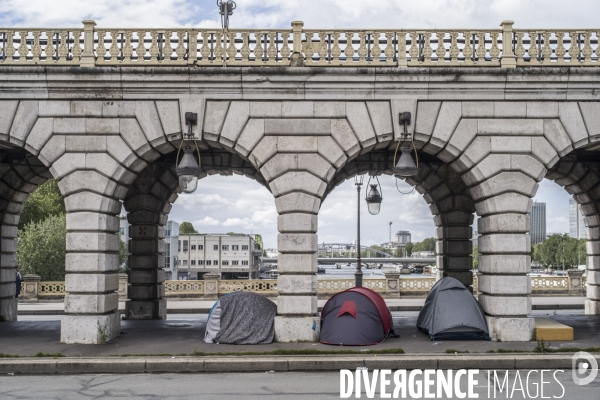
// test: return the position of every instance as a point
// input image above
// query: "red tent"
(355, 317)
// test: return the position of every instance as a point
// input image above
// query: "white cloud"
(207, 221)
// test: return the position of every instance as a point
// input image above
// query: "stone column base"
(506, 329)
(90, 329)
(8, 309)
(296, 329)
(592, 307)
(146, 309)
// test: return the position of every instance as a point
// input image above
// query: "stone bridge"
(102, 112)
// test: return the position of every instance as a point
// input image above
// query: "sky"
(224, 204)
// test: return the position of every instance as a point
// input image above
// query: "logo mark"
(584, 368)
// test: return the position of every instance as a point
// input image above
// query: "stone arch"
(442, 188)
(21, 173)
(579, 173)
(147, 203)
(502, 149)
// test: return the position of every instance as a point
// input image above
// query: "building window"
(207, 262)
(244, 262)
(235, 262)
(216, 247)
(193, 262)
(224, 262)
(200, 247)
(244, 247)
(179, 245)
(184, 263)
(185, 246)
(215, 262)
(235, 247)
(122, 231)
(193, 247)
(225, 247)
(200, 262)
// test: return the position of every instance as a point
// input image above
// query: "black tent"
(451, 312)
(355, 317)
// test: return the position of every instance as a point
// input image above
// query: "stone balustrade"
(33, 289)
(90, 46)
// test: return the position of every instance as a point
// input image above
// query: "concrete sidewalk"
(184, 334)
(185, 306)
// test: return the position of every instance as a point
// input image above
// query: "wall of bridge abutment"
(491, 153)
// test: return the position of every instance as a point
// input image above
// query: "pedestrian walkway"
(184, 334)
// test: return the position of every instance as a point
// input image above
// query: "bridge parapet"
(507, 48)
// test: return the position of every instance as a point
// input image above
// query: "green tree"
(409, 249)
(44, 202)
(560, 250)
(475, 256)
(42, 248)
(426, 245)
(259, 241)
(186, 228)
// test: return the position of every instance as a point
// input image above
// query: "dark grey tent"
(452, 313)
(241, 318)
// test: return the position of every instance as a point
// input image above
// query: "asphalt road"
(260, 385)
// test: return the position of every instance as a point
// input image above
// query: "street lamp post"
(373, 200)
(358, 275)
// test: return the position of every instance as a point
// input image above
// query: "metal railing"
(90, 46)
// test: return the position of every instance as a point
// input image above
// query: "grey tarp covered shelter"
(241, 318)
(451, 312)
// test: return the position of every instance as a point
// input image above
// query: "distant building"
(124, 229)
(538, 223)
(400, 240)
(234, 256)
(171, 238)
(576, 225)
(402, 237)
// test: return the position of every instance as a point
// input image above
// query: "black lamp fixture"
(188, 169)
(374, 197)
(406, 166)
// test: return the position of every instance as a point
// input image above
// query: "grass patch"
(293, 352)
(456, 351)
(573, 350)
(4, 355)
(500, 351)
(40, 354)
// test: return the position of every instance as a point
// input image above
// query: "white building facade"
(171, 249)
(234, 256)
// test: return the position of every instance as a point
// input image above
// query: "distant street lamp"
(188, 169)
(373, 205)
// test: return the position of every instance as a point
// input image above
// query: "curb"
(209, 364)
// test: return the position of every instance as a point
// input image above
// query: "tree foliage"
(409, 249)
(42, 248)
(259, 241)
(44, 202)
(559, 250)
(186, 228)
(426, 245)
(475, 256)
